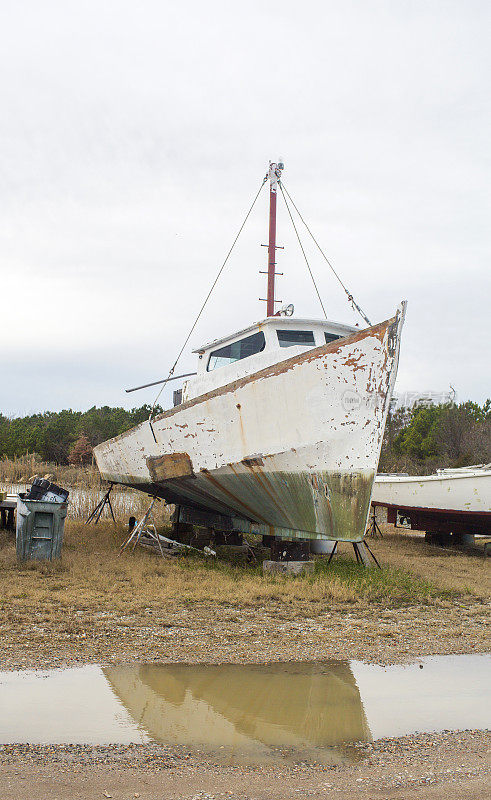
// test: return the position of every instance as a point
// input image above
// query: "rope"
(171, 371)
(301, 247)
(351, 299)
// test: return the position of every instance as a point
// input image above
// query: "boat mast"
(274, 175)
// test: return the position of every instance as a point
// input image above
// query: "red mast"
(274, 176)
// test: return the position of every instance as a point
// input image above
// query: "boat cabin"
(260, 345)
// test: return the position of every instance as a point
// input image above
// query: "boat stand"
(95, 515)
(146, 527)
(373, 528)
(360, 549)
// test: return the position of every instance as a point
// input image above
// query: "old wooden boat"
(279, 431)
(450, 501)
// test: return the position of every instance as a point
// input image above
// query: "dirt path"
(450, 766)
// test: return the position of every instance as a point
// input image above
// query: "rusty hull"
(277, 502)
(291, 450)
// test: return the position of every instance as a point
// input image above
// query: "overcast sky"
(133, 137)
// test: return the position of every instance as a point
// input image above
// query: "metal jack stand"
(95, 515)
(374, 529)
(360, 549)
(145, 526)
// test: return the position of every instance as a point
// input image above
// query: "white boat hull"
(465, 492)
(292, 449)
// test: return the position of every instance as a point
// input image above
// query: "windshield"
(237, 350)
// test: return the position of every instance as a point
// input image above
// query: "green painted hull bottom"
(291, 505)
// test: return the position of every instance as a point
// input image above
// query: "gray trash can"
(39, 531)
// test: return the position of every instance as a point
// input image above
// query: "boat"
(452, 501)
(279, 431)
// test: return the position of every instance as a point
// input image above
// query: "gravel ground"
(450, 765)
(211, 633)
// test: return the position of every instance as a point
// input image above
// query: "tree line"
(416, 441)
(66, 436)
(423, 439)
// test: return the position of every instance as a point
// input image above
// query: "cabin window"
(292, 337)
(331, 337)
(237, 350)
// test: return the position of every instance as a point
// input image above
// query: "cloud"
(134, 137)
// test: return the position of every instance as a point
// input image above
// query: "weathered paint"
(332, 504)
(169, 465)
(293, 447)
(204, 381)
(39, 530)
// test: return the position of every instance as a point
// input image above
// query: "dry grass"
(91, 572)
(93, 605)
(21, 471)
(85, 486)
(454, 570)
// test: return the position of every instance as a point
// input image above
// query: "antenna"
(274, 175)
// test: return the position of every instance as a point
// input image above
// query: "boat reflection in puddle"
(247, 713)
(305, 709)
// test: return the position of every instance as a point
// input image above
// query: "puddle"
(246, 712)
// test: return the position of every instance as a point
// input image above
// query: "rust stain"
(227, 492)
(264, 483)
(388, 329)
(353, 362)
(241, 426)
(169, 466)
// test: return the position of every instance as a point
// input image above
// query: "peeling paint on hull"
(293, 448)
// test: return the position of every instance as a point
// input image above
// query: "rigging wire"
(351, 299)
(301, 247)
(171, 371)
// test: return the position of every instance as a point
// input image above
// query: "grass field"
(94, 605)
(91, 569)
